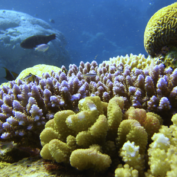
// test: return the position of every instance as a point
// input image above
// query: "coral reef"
(25, 107)
(87, 139)
(161, 30)
(96, 115)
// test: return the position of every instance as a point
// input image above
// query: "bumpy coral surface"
(126, 171)
(163, 151)
(161, 30)
(134, 61)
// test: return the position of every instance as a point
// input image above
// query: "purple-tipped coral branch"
(25, 107)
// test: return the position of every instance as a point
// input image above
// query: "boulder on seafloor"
(17, 26)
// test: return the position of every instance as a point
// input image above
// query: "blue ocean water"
(94, 29)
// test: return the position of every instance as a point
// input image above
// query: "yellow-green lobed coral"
(88, 139)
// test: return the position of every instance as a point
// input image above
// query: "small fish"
(51, 20)
(10, 75)
(42, 47)
(89, 75)
(34, 41)
(120, 69)
(30, 78)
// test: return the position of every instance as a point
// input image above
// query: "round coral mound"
(161, 30)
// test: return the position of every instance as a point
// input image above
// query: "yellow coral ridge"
(114, 113)
(150, 121)
(161, 30)
(37, 70)
(58, 150)
(96, 134)
(65, 136)
(60, 123)
(91, 104)
(132, 130)
(90, 159)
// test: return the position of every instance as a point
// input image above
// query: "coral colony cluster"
(25, 107)
(117, 118)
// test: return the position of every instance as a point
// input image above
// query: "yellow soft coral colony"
(163, 152)
(161, 34)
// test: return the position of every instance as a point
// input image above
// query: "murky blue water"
(94, 29)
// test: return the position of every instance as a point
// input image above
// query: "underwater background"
(92, 91)
(93, 29)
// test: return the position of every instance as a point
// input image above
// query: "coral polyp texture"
(134, 61)
(25, 107)
(161, 30)
(163, 151)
